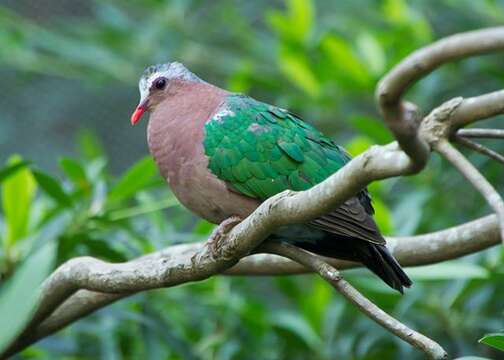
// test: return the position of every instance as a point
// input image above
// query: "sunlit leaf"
(395, 10)
(372, 53)
(18, 297)
(358, 145)
(382, 216)
(400, 13)
(203, 228)
(295, 25)
(10, 170)
(297, 69)
(135, 179)
(495, 340)
(17, 194)
(344, 61)
(301, 15)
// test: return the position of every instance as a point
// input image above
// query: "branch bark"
(481, 133)
(417, 250)
(479, 148)
(475, 178)
(402, 117)
(432, 349)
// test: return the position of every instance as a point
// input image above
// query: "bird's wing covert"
(260, 150)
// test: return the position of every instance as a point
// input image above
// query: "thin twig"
(432, 349)
(481, 133)
(475, 178)
(479, 148)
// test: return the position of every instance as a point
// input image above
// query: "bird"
(224, 153)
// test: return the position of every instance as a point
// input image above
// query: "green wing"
(261, 150)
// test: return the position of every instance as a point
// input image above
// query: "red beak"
(139, 111)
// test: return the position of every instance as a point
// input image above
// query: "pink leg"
(215, 239)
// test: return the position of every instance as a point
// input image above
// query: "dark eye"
(160, 83)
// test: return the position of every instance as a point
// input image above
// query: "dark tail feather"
(380, 261)
(374, 256)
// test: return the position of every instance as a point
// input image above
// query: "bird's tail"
(375, 257)
(380, 261)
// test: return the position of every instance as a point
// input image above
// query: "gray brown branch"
(479, 148)
(313, 262)
(409, 251)
(402, 117)
(475, 178)
(481, 133)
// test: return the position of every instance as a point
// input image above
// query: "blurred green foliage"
(321, 59)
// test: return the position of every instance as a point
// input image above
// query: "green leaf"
(52, 188)
(75, 172)
(296, 24)
(343, 59)
(495, 340)
(102, 249)
(314, 307)
(371, 53)
(406, 216)
(373, 128)
(448, 271)
(396, 10)
(297, 69)
(143, 209)
(12, 169)
(17, 194)
(136, 178)
(358, 145)
(382, 216)
(301, 15)
(203, 228)
(298, 326)
(19, 296)
(89, 144)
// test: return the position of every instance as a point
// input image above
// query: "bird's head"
(154, 85)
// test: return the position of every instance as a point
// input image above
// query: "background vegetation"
(68, 73)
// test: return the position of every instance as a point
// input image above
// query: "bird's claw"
(220, 232)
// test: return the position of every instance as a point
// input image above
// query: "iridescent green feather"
(261, 150)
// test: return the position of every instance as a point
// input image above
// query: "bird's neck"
(176, 126)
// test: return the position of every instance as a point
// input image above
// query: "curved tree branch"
(417, 250)
(401, 117)
(475, 178)
(432, 349)
(479, 108)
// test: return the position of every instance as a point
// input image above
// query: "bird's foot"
(220, 232)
